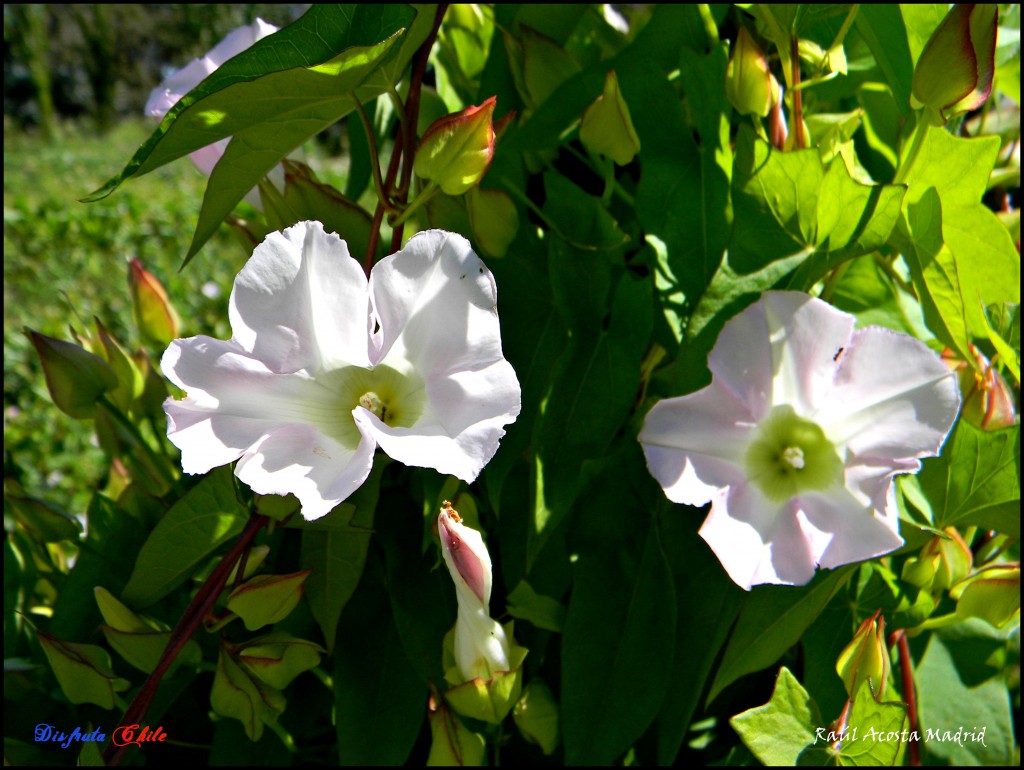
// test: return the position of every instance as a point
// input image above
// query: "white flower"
(169, 93)
(796, 440)
(324, 366)
(481, 647)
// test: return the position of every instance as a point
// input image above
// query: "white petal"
(437, 305)
(481, 647)
(757, 541)
(782, 350)
(695, 444)
(301, 302)
(300, 460)
(841, 530)
(894, 398)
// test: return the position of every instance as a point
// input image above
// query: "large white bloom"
(325, 366)
(169, 93)
(797, 439)
(481, 646)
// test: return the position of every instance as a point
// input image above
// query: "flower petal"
(841, 530)
(757, 541)
(694, 444)
(894, 398)
(300, 460)
(804, 337)
(301, 302)
(437, 305)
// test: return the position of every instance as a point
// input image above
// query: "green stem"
(920, 131)
(378, 183)
(833, 280)
(160, 464)
(422, 197)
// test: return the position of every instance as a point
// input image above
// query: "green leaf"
(83, 671)
(336, 556)
(976, 480)
(980, 735)
(275, 95)
(237, 694)
(777, 732)
(544, 612)
(43, 519)
(452, 743)
(883, 29)
(773, 620)
(278, 658)
(875, 734)
(205, 518)
(378, 697)
(617, 644)
(267, 599)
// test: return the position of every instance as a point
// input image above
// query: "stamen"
(794, 455)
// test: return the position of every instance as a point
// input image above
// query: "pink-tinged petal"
(468, 561)
(437, 305)
(300, 460)
(233, 401)
(871, 483)
(168, 93)
(301, 302)
(757, 541)
(841, 530)
(782, 350)
(894, 398)
(695, 444)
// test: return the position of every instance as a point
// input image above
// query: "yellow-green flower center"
(790, 455)
(397, 399)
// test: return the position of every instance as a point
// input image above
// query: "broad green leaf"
(962, 724)
(976, 480)
(236, 693)
(617, 644)
(43, 519)
(278, 658)
(139, 641)
(206, 517)
(336, 556)
(876, 731)
(580, 219)
(777, 732)
(957, 168)
(267, 599)
(544, 612)
(882, 27)
(773, 620)
(274, 96)
(379, 700)
(707, 602)
(83, 671)
(536, 716)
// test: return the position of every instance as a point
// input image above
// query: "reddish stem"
(909, 694)
(197, 609)
(798, 103)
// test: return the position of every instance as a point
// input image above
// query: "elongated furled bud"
(607, 127)
(866, 657)
(75, 377)
(750, 85)
(954, 72)
(456, 150)
(157, 320)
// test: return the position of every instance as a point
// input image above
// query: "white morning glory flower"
(324, 366)
(481, 646)
(169, 93)
(797, 439)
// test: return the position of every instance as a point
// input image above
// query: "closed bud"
(955, 70)
(866, 658)
(456, 150)
(155, 317)
(750, 85)
(607, 127)
(992, 594)
(76, 378)
(987, 398)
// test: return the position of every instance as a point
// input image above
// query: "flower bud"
(942, 562)
(993, 594)
(75, 377)
(155, 317)
(607, 127)
(954, 72)
(987, 398)
(866, 658)
(456, 150)
(749, 84)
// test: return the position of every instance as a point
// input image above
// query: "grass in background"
(66, 262)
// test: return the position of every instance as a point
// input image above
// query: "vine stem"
(197, 609)
(899, 638)
(798, 102)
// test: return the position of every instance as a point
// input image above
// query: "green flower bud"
(749, 84)
(943, 562)
(155, 317)
(866, 658)
(456, 150)
(987, 398)
(607, 127)
(993, 594)
(267, 599)
(75, 377)
(955, 70)
(488, 700)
